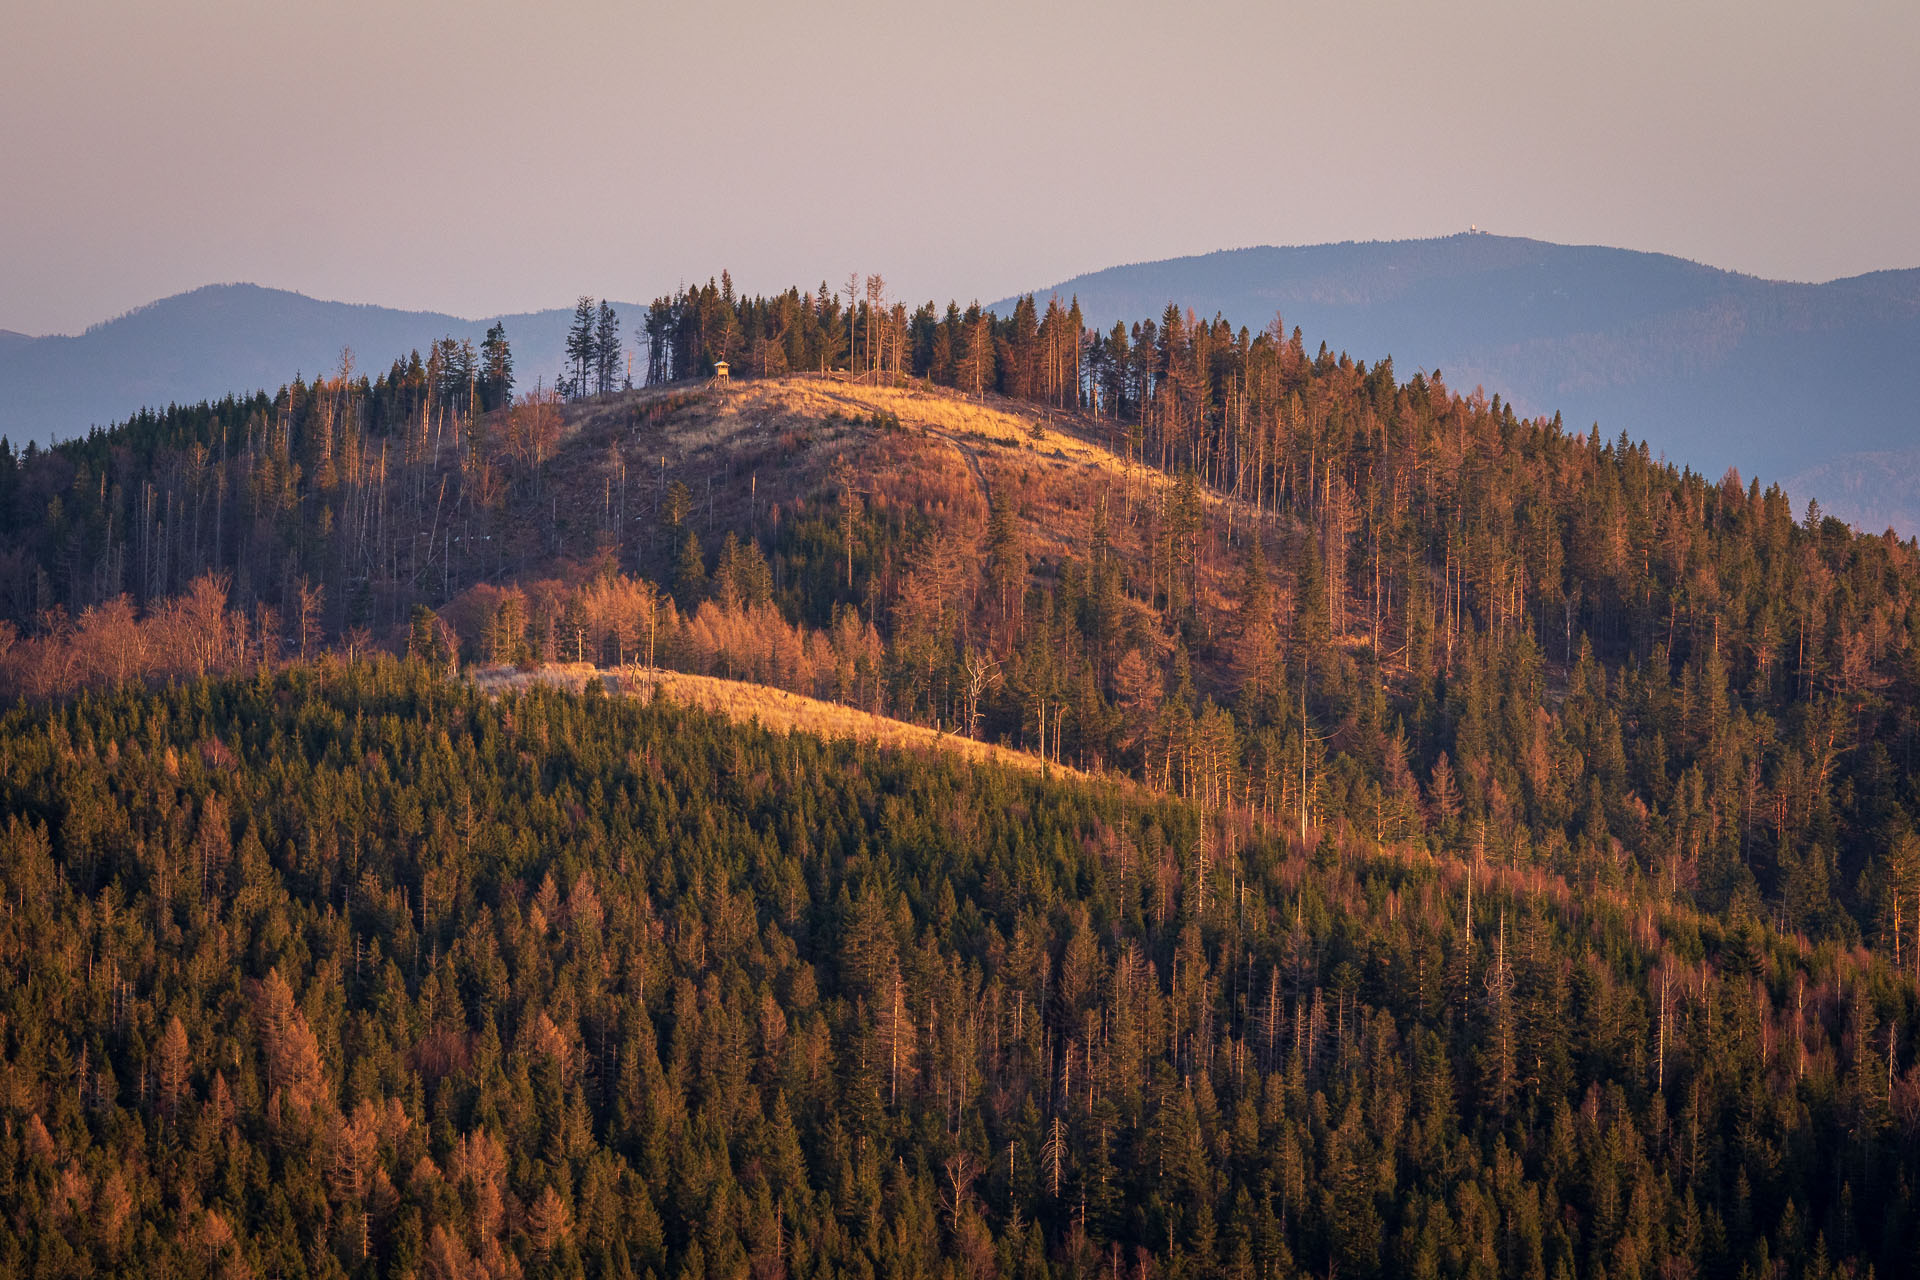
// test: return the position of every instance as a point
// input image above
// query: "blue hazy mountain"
(1807, 384)
(239, 338)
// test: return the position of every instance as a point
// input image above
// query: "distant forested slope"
(229, 338)
(1713, 368)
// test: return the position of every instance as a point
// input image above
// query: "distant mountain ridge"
(236, 338)
(1805, 384)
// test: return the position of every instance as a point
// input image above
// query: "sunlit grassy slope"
(771, 708)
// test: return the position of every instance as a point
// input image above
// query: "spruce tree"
(496, 370)
(581, 349)
(606, 349)
(690, 574)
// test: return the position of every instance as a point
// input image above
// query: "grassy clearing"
(755, 449)
(768, 410)
(771, 708)
(949, 413)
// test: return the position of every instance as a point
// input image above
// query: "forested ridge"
(1499, 856)
(1291, 583)
(348, 969)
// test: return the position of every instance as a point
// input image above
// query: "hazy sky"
(484, 156)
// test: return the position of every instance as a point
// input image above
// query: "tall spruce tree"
(581, 348)
(606, 349)
(496, 370)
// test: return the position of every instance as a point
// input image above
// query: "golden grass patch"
(771, 708)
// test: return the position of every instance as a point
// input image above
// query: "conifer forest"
(1443, 842)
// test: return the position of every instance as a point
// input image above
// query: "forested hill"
(348, 970)
(1272, 582)
(231, 337)
(1806, 383)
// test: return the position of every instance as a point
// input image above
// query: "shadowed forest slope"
(354, 970)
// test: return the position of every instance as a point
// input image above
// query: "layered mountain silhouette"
(1805, 384)
(236, 338)
(1810, 385)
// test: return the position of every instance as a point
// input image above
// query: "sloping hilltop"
(748, 448)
